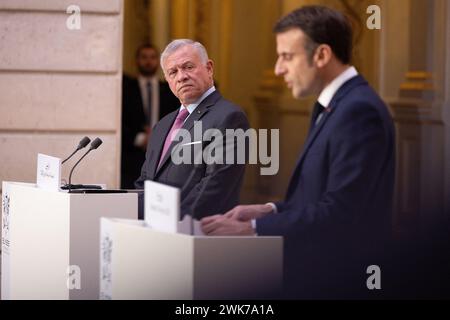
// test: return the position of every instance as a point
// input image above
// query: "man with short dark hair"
(145, 100)
(336, 215)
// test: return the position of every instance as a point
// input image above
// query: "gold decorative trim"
(420, 75)
(416, 86)
(417, 81)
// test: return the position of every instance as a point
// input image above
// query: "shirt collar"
(330, 90)
(144, 80)
(191, 107)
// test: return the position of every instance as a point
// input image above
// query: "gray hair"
(180, 43)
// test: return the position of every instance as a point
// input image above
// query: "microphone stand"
(70, 156)
(71, 171)
(94, 145)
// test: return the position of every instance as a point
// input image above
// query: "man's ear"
(210, 67)
(322, 55)
(164, 74)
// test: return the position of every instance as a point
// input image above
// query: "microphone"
(83, 143)
(94, 145)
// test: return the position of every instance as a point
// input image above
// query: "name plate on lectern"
(48, 175)
(161, 206)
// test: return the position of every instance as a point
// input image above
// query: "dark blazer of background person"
(337, 210)
(134, 121)
(206, 189)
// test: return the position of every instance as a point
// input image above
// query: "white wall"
(57, 85)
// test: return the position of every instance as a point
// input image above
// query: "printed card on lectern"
(161, 206)
(48, 175)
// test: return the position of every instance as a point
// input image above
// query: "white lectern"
(140, 263)
(50, 240)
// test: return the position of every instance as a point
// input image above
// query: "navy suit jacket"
(336, 215)
(205, 188)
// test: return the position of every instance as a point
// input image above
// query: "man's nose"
(181, 75)
(279, 68)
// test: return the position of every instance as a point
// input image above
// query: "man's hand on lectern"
(249, 212)
(220, 225)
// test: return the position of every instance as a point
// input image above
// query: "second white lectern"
(138, 262)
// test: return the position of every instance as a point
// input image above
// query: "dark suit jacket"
(133, 122)
(205, 189)
(336, 216)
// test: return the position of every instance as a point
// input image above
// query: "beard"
(147, 71)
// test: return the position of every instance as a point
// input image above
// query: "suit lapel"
(334, 104)
(196, 115)
(201, 110)
(159, 143)
(316, 130)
